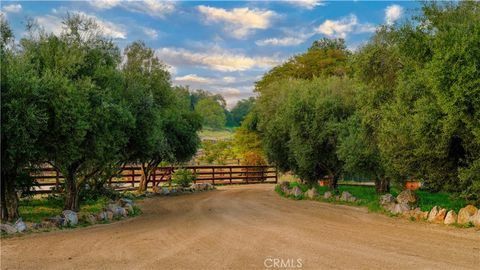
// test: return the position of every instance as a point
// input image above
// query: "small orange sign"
(412, 185)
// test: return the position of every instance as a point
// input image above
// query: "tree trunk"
(72, 200)
(144, 178)
(9, 199)
(382, 184)
(3, 203)
(333, 184)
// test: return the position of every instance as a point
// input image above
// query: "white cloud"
(109, 29)
(238, 22)
(285, 41)
(153, 8)
(220, 81)
(229, 79)
(55, 25)
(290, 40)
(307, 4)
(393, 13)
(12, 8)
(50, 23)
(191, 78)
(234, 94)
(151, 33)
(104, 4)
(340, 28)
(217, 59)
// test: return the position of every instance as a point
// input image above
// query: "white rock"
(312, 193)
(125, 201)
(71, 217)
(7, 228)
(475, 219)
(346, 196)
(407, 197)
(451, 218)
(465, 214)
(387, 199)
(399, 208)
(437, 215)
(296, 191)
(20, 225)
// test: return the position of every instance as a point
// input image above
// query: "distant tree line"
(405, 105)
(74, 101)
(213, 108)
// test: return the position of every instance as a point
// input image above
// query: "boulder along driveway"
(247, 227)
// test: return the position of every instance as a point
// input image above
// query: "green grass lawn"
(38, 208)
(370, 199)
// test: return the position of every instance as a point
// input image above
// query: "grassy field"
(210, 134)
(370, 199)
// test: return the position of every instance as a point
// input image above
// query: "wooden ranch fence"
(49, 178)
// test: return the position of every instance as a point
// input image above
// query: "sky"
(219, 46)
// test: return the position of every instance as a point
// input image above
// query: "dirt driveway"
(247, 227)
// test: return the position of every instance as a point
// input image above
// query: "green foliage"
(165, 127)
(23, 120)
(301, 131)
(434, 113)
(411, 112)
(198, 95)
(217, 152)
(93, 193)
(246, 139)
(183, 177)
(253, 158)
(69, 100)
(86, 126)
(146, 93)
(323, 58)
(240, 111)
(212, 113)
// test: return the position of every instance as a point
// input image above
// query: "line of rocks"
(405, 205)
(198, 187)
(312, 193)
(119, 209)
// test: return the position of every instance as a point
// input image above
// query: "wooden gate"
(49, 179)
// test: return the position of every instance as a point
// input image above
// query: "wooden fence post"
(230, 174)
(57, 180)
(133, 176)
(154, 176)
(213, 175)
(195, 173)
(276, 175)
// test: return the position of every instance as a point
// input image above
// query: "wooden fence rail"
(49, 178)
